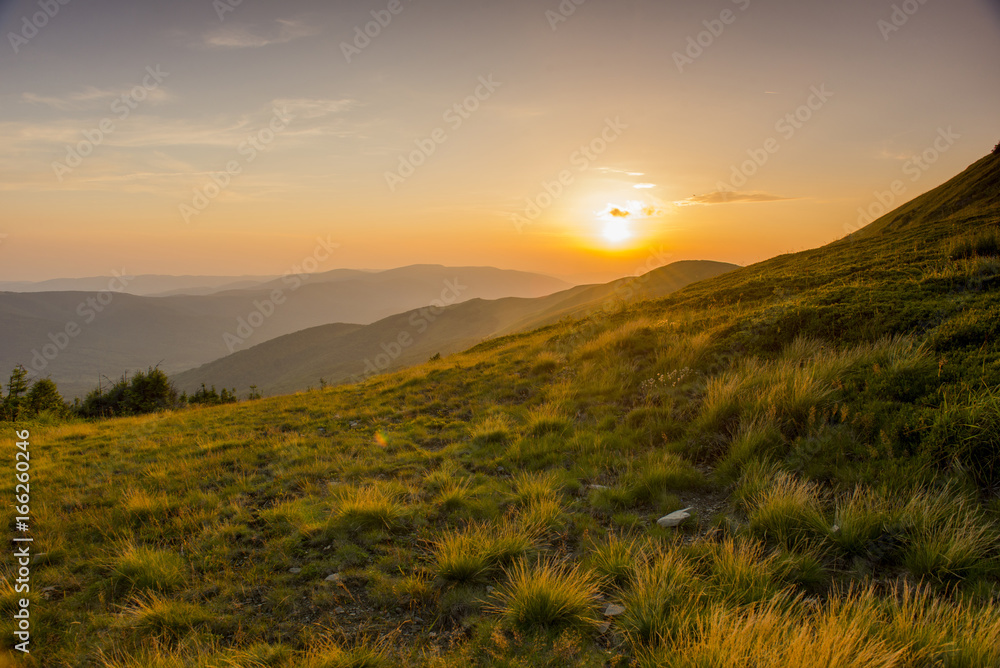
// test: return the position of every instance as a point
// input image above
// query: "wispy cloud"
(141, 155)
(612, 170)
(253, 37)
(91, 98)
(734, 197)
(644, 186)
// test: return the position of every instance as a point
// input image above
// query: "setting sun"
(616, 231)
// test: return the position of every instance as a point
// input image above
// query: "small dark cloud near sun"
(618, 213)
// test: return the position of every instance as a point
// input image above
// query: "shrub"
(535, 487)
(546, 420)
(655, 477)
(950, 538)
(741, 572)
(788, 512)
(982, 244)
(147, 392)
(548, 595)
(545, 363)
(617, 559)
(662, 600)
(334, 656)
(492, 430)
(142, 568)
(368, 508)
(162, 616)
(480, 550)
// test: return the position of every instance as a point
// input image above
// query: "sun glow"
(616, 231)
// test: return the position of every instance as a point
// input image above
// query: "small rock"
(674, 519)
(294, 571)
(603, 627)
(432, 634)
(339, 610)
(835, 529)
(334, 577)
(597, 487)
(613, 610)
(41, 556)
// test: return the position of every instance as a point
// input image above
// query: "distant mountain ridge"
(75, 337)
(339, 353)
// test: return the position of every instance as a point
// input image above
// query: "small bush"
(788, 512)
(741, 572)
(617, 559)
(545, 363)
(146, 569)
(546, 420)
(162, 616)
(654, 478)
(331, 655)
(548, 596)
(479, 551)
(492, 430)
(662, 599)
(536, 487)
(950, 538)
(981, 244)
(860, 519)
(368, 508)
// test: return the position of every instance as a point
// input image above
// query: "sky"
(586, 139)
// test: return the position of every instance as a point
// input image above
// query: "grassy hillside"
(339, 353)
(830, 419)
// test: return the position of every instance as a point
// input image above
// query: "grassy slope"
(830, 417)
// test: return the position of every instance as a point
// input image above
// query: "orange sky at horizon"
(584, 144)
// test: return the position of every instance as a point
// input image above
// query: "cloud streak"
(248, 37)
(731, 197)
(90, 98)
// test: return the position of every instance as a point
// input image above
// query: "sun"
(616, 231)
